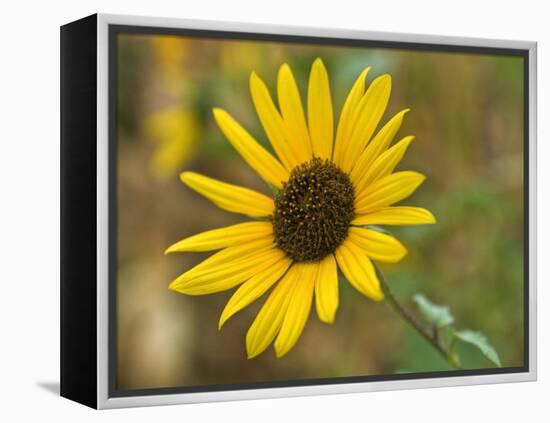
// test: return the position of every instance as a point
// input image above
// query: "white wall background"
(29, 209)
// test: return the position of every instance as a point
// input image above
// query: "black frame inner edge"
(114, 30)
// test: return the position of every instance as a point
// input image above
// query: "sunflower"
(328, 191)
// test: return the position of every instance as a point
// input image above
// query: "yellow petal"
(270, 318)
(257, 157)
(223, 237)
(349, 115)
(254, 288)
(399, 215)
(298, 309)
(358, 270)
(230, 197)
(369, 112)
(387, 191)
(292, 111)
(384, 164)
(377, 146)
(230, 254)
(272, 122)
(319, 110)
(225, 276)
(217, 263)
(376, 245)
(326, 289)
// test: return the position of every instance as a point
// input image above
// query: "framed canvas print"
(254, 211)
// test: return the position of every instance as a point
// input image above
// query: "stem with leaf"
(432, 338)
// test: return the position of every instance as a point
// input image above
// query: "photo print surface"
(291, 211)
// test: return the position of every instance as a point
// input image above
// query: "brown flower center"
(313, 211)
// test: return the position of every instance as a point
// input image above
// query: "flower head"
(329, 189)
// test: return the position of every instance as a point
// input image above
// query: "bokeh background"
(467, 116)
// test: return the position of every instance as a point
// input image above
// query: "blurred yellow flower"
(175, 130)
(171, 53)
(328, 188)
(232, 52)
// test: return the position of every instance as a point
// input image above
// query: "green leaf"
(437, 315)
(481, 342)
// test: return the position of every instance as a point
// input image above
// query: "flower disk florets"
(313, 211)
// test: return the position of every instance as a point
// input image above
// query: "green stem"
(408, 318)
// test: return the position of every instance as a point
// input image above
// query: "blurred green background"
(467, 116)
